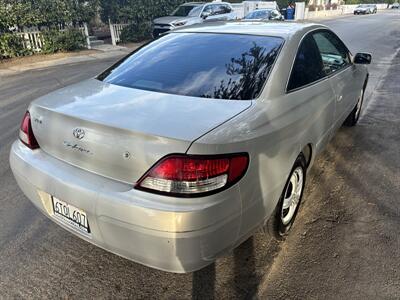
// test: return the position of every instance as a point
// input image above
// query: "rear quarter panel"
(273, 131)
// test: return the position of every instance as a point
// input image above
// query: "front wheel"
(353, 117)
(281, 221)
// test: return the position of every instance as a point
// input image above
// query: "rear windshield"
(219, 66)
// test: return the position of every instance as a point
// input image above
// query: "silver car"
(180, 151)
(365, 9)
(194, 13)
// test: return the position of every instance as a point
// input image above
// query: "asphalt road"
(345, 242)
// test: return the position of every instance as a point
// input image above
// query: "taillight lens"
(193, 175)
(26, 133)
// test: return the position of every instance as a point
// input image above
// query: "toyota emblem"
(79, 133)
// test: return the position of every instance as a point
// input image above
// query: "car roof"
(270, 28)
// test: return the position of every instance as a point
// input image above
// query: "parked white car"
(193, 13)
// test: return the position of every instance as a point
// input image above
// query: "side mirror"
(205, 15)
(363, 58)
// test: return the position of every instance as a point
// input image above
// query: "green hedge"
(58, 41)
(137, 11)
(11, 45)
(136, 33)
(49, 13)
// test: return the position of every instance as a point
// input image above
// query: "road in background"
(344, 244)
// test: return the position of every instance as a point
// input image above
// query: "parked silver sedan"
(180, 151)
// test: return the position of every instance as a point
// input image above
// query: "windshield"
(259, 14)
(187, 10)
(181, 64)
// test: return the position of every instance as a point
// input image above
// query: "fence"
(33, 38)
(115, 30)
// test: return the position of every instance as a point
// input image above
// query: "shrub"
(136, 11)
(11, 45)
(136, 32)
(28, 13)
(67, 40)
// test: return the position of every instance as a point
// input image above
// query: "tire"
(353, 117)
(282, 219)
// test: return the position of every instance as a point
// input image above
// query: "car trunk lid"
(120, 132)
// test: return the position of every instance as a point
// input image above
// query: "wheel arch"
(308, 152)
(366, 81)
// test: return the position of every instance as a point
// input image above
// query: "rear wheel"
(353, 117)
(281, 221)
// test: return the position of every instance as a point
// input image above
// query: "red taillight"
(186, 175)
(26, 133)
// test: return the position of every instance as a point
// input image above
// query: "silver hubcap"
(359, 103)
(292, 195)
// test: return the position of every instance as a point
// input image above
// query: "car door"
(308, 88)
(342, 73)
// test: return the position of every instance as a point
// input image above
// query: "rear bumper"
(171, 234)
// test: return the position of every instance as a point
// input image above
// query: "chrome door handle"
(339, 98)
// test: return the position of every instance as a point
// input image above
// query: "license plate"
(71, 215)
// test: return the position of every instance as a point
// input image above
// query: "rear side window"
(334, 53)
(207, 65)
(307, 67)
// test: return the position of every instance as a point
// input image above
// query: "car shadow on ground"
(244, 281)
(243, 272)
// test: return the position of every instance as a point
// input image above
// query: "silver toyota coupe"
(181, 150)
